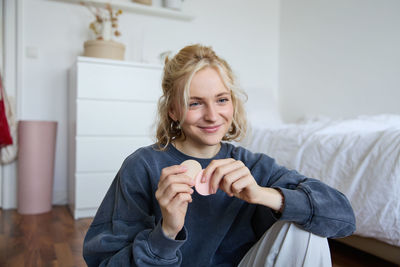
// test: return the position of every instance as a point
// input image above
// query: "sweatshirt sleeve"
(313, 205)
(124, 231)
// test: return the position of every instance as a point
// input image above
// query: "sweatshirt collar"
(203, 161)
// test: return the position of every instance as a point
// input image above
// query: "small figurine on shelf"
(104, 27)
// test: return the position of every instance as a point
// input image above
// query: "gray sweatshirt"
(219, 229)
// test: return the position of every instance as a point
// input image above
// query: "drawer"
(91, 189)
(104, 81)
(120, 118)
(106, 154)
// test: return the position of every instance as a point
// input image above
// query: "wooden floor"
(55, 239)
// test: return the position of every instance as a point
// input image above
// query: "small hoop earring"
(231, 128)
(175, 126)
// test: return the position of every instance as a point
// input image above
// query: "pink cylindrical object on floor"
(37, 143)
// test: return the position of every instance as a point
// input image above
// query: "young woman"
(258, 213)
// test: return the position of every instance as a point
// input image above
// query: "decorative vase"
(104, 49)
(36, 157)
(107, 30)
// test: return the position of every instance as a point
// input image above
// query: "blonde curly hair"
(178, 74)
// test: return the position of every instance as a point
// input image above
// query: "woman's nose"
(211, 113)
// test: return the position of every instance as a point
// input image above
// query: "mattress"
(360, 157)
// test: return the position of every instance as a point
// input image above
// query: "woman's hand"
(235, 179)
(173, 194)
(232, 177)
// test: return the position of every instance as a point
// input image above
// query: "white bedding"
(360, 157)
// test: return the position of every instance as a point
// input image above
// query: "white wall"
(245, 33)
(10, 83)
(1, 70)
(339, 58)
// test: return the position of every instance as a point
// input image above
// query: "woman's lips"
(210, 129)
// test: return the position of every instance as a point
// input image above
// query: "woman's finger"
(239, 185)
(175, 179)
(232, 177)
(175, 189)
(209, 170)
(167, 191)
(166, 197)
(180, 199)
(174, 169)
(223, 170)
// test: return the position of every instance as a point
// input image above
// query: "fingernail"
(203, 179)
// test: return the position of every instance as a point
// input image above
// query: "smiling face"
(209, 113)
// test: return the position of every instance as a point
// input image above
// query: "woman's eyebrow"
(196, 97)
(223, 94)
(218, 95)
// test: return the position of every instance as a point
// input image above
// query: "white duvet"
(359, 157)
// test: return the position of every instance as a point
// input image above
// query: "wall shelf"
(129, 6)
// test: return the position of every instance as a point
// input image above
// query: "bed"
(359, 156)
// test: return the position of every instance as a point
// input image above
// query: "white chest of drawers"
(112, 108)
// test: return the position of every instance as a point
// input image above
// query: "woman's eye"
(223, 100)
(194, 104)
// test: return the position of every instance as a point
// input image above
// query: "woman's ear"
(172, 114)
